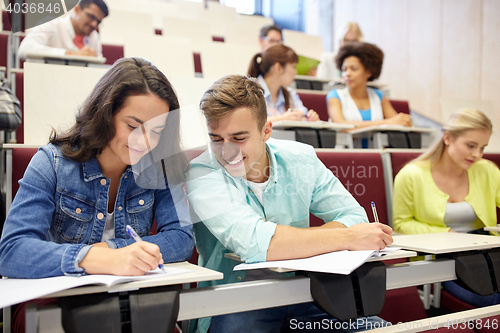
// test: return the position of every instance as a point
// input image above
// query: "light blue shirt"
(235, 221)
(279, 107)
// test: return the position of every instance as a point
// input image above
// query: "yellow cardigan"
(419, 205)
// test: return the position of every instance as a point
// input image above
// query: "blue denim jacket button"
(103, 181)
(78, 210)
(100, 216)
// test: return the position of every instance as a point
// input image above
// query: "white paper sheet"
(339, 262)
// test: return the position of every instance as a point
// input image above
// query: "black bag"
(11, 115)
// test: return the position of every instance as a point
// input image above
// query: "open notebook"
(339, 262)
(16, 291)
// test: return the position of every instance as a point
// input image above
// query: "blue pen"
(131, 232)
(374, 210)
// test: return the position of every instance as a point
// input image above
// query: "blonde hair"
(461, 121)
(350, 26)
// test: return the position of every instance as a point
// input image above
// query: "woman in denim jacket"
(108, 171)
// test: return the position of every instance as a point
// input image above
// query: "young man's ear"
(267, 130)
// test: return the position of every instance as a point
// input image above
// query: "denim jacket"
(60, 210)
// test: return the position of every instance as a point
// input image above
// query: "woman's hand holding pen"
(312, 116)
(294, 115)
(135, 259)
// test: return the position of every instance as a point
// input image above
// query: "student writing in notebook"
(275, 70)
(451, 188)
(81, 190)
(254, 194)
(357, 103)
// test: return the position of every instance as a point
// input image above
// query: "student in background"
(71, 34)
(359, 104)
(275, 70)
(253, 195)
(270, 35)
(450, 188)
(81, 190)
(349, 34)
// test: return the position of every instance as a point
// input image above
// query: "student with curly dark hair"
(359, 104)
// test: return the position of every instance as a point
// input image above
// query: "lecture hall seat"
(112, 53)
(20, 97)
(363, 176)
(20, 159)
(6, 21)
(317, 102)
(4, 47)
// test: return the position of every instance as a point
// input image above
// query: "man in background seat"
(73, 34)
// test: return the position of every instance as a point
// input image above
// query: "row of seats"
(365, 174)
(314, 101)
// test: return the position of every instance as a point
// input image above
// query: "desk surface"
(446, 242)
(497, 228)
(311, 124)
(394, 255)
(94, 60)
(392, 128)
(199, 274)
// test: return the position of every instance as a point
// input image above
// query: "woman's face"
(288, 74)
(354, 73)
(467, 148)
(138, 127)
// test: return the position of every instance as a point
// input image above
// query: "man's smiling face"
(239, 144)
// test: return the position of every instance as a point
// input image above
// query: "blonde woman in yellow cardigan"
(450, 188)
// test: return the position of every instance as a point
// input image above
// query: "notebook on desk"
(16, 291)
(339, 262)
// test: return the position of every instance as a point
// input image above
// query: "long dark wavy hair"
(94, 127)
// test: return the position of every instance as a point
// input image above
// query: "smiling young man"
(254, 194)
(74, 34)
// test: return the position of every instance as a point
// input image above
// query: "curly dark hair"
(370, 56)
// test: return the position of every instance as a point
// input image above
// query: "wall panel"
(461, 66)
(393, 40)
(490, 83)
(424, 45)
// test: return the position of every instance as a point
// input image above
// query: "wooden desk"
(497, 228)
(439, 243)
(289, 130)
(68, 59)
(285, 124)
(449, 242)
(247, 296)
(377, 133)
(199, 274)
(394, 255)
